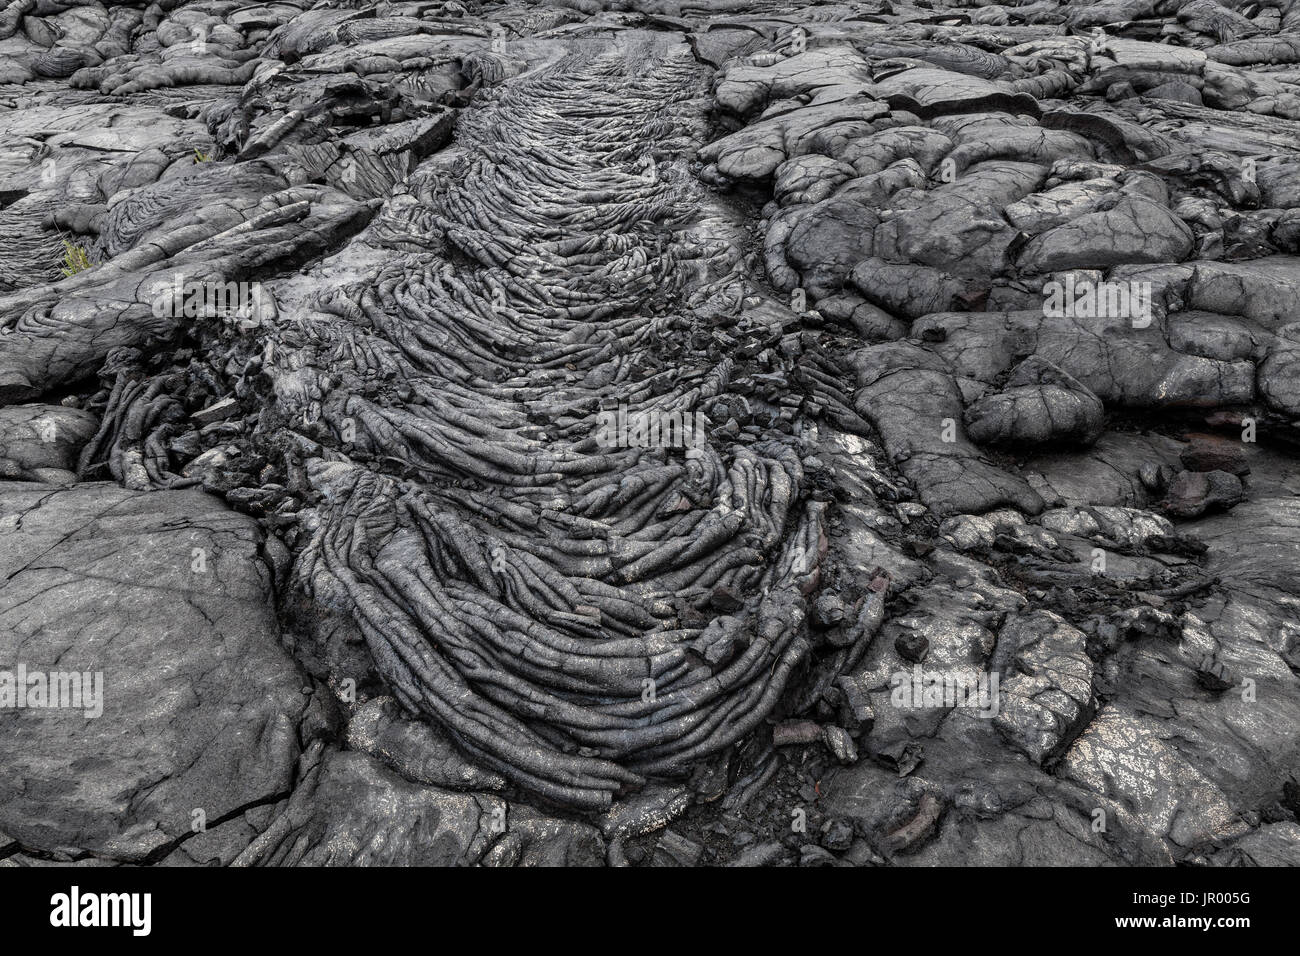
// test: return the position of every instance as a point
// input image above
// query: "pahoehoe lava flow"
(665, 432)
(524, 587)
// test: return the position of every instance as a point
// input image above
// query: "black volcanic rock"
(565, 404)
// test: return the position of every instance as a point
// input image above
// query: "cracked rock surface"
(165, 596)
(651, 432)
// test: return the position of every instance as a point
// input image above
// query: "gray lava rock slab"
(165, 595)
(350, 810)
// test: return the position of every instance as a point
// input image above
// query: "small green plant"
(74, 259)
(201, 157)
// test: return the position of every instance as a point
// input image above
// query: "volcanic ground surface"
(651, 432)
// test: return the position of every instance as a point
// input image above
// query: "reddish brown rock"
(1192, 493)
(1215, 453)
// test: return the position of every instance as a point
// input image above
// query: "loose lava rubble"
(991, 317)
